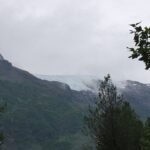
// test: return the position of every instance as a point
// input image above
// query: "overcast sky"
(78, 37)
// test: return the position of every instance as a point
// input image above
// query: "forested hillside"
(49, 115)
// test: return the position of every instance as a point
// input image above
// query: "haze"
(73, 37)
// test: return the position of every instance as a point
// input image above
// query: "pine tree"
(111, 122)
(145, 140)
(2, 110)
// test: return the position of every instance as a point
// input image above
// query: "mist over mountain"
(138, 94)
(40, 114)
(76, 82)
(49, 114)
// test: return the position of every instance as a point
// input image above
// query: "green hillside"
(40, 114)
(44, 120)
(44, 115)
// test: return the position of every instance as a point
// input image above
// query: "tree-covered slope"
(43, 115)
(138, 94)
(40, 114)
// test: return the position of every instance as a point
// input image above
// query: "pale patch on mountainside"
(76, 82)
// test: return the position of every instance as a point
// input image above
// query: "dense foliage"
(111, 122)
(44, 115)
(145, 140)
(2, 110)
(36, 119)
(142, 44)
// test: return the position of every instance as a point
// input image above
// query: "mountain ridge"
(137, 93)
(39, 112)
(86, 82)
(49, 114)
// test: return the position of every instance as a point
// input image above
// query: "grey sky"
(72, 36)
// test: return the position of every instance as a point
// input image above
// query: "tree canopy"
(145, 140)
(111, 122)
(141, 49)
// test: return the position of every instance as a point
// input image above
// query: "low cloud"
(72, 37)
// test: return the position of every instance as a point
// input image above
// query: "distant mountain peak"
(1, 58)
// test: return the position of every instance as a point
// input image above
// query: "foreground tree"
(111, 122)
(145, 140)
(141, 49)
(2, 110)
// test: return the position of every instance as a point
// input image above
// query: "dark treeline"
(113, 124)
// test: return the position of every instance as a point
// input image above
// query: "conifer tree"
(2, 110)
(145, 140)
(111, 122)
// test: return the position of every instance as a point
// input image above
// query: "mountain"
(48, 115)
(40, 114)
(1, 57)
(76, 82)
(138, 94)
